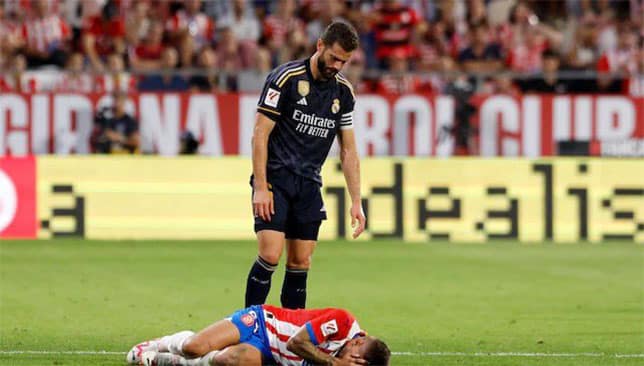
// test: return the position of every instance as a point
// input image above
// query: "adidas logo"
(302, 101)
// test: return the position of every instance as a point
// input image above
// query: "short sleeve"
(347, 106)
(332, 325)
(272, 98)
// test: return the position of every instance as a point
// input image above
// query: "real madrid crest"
(303, 87)
(335, 107)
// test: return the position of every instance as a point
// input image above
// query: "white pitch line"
(422, 354)
(516, 354)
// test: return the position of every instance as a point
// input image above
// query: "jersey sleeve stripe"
(288, 76)
(342, 80)
(269, 110)
(288, 71)
(309, 329)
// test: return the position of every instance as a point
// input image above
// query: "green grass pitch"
(435, 304)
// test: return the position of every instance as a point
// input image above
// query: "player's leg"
(187, 344)
(258, 284)
(187, 348)
(241, 354)
(299, 253)
(270, 239)
(302, 228)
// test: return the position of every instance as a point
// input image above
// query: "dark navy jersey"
(307, 113)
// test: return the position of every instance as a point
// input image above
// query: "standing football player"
(304, 105)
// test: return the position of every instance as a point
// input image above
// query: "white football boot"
(135, 356)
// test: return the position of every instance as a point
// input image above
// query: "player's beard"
(326, 72)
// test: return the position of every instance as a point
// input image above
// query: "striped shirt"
(329, 329)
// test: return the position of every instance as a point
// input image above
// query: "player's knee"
(303, 262)
(193, 348)
(272, 258)
(226, 358)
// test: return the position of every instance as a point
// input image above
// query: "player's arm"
(262, 199)
(351, 170)
(302, 345)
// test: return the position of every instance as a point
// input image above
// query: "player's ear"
(320, 45)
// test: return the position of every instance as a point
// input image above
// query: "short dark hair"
(343, 33)
(378, 353)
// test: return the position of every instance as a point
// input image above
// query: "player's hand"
(263, 204)
(352, 360)
(358, 220)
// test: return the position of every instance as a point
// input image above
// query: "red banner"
(18, 197)
(408, 125)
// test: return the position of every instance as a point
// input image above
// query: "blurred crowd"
(489, 46)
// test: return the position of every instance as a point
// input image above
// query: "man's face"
(331, 59)
(357, 346)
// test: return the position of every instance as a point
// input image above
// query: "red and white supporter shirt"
(199, 26)
(46, 34)
(329, 329)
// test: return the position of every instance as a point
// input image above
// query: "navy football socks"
(294, 289)
(259, 282)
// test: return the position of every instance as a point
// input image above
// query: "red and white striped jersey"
(329, 329)
(45, 34)
(200, 27)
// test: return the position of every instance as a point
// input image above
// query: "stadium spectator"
(526, 56)
(248, 80)
(482, 55)
(549, 81)
(115, 130)
(584, 51)
(398, 80)
(243, 22)
(190, 29)
(11, 39)
(46, 36)
(523, 23)
(433, 45)
(168, 79)
(115, 78)
(332, 10)
(103, 35)
(147, 54)
(278, 26)
(208, 79)
(138, 22)
(14, 78)
(77, 13)
(622, 59)
(75, 79)
(395, 27)
(636, 82)
(476, 12)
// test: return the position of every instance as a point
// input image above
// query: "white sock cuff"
(176, 341)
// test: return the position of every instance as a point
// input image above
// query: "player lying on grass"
(265, 334)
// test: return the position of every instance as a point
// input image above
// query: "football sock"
(259, 282)
(207, 359)
(174, 343)
(294, 289)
